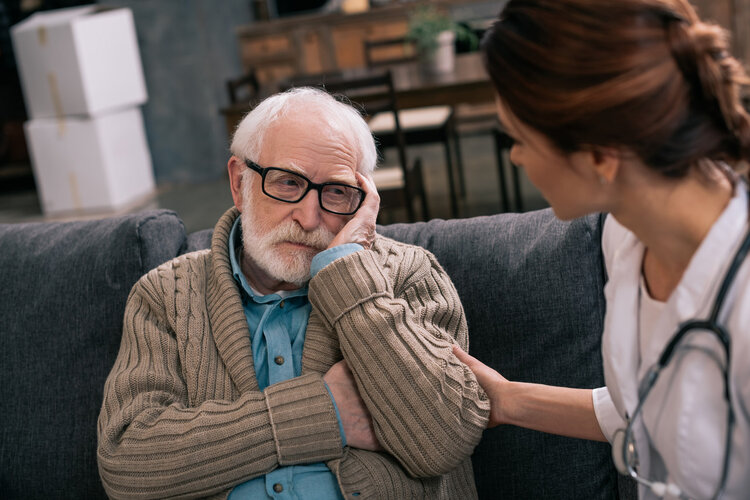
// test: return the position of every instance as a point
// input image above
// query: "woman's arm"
(556, 410)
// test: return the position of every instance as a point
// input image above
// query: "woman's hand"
(491, 381)
(557, 410)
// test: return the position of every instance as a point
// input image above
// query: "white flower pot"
(443, 58)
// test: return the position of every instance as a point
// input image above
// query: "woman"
(632, 108)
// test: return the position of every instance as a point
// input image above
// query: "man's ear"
(236, 167)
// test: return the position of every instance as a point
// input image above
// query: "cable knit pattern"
(396, 314)
(183, 416)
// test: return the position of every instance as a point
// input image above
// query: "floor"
(200, 205)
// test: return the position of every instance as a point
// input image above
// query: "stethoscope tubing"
(711, 324)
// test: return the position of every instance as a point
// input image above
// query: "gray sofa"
(531, 286)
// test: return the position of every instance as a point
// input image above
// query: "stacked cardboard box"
(83, 84)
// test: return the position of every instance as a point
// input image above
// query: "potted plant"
(434, 34)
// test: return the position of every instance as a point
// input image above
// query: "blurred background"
(190, 51)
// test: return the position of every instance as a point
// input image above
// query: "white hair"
(248, 137)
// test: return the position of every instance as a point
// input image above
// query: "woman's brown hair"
(647, 75)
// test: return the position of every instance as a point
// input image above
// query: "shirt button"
(279, 360)
(278, 488)
(281, 304)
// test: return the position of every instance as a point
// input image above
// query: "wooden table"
(468, 83)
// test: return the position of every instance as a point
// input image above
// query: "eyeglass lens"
(288, 186)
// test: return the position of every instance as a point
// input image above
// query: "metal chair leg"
(500, 147)
(459, 161)
(419, 181)
(516, 186)
(451, 179)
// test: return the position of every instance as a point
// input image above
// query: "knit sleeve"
(397, 315)
(152, 443)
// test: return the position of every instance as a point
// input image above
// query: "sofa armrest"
(61, 307)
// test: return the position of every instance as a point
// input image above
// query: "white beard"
(288, 265)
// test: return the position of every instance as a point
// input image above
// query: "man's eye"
(287, 181)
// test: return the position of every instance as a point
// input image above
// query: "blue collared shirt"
(277, 323)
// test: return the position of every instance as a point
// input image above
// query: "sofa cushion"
(61, 307)
(531, 286)
(198, 240)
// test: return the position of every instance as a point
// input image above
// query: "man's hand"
(354, 415)
(361, 228)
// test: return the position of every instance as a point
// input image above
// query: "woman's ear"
(606, 162)
(597, 163)
(236, 167)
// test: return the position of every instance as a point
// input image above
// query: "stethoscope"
(623, 444)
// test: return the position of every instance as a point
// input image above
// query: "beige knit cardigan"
(183, 415)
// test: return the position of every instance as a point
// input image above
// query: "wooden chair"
(243, 89)
(427, 125)
(481, 119)
(387, 51)
(372, 94)
(503, 142)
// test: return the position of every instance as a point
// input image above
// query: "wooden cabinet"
(272, 56)
(311, 44)
(325, 42)
(316, 43)
(348, 39)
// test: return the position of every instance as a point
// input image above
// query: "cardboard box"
(96, 164)
(79, 61)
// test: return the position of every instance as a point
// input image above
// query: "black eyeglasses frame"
(263, 171)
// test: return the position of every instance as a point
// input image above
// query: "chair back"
(244, 88)
(387, 51)
(371, 92)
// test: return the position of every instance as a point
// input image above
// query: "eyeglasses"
(290, 187)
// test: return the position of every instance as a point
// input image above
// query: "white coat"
(680, 437)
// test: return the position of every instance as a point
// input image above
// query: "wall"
(189, 49)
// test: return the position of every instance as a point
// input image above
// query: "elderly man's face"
(280, 239)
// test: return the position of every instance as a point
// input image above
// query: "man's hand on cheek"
(361, 228)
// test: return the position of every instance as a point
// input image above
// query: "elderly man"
(302, 356)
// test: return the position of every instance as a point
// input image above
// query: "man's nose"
(307, 211)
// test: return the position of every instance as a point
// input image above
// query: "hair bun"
(701, 50)
(709, 39)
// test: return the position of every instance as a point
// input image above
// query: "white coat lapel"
(696, 292)
(620, 352)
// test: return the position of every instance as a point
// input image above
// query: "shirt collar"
(235, 246)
